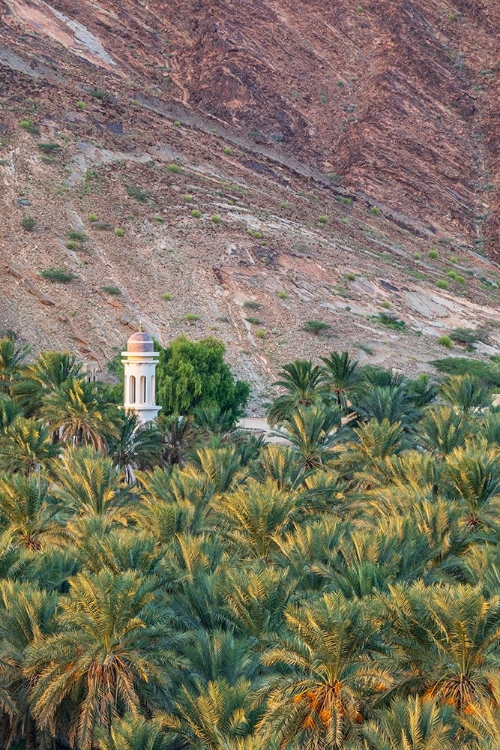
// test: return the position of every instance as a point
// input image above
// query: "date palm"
(445, 645)
(343, 376)
(135, 446)
(304, 384)
(43, 377)
(393, 403)
(466, 393)
(26, 447)
(363, 458)
(29, 516)
(79, 414)
(324, 672)
(108, 656)
(443, 429)
(412, 724)
(12, 358)
(133, 733)
(312, 431)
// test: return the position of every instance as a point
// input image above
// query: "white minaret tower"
(140, 362)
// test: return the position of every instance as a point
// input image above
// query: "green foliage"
(215, 218)
(143, 196)
(391, 321)
(316, 327)
(72, 245)
(113, 290)
(28, 223)
(119, 232)
(80, 105)
(195, 213)
(97, 93)
(49, 148)
(77, 236)
(174, 168)
(191, 374)
(57, 275)
(29, 127)
(486, 372)
(445, 341)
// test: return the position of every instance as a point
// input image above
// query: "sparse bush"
(488, 373)
(445, 341)
(177, 123)
(433, 254)
(135, 102)
(391, 321)
(167, 296)
(252, 305)
(351, 277)
(74, 234)
(188, 198)
(28, 223)
(257, 235)
(215, 218)
(29, 127)
(443, 284)
(173, 168)
(282, 295)
(469, 335)
(386, 304)
(92, 217)
(80, 105)
(346, 201)
(322, 220)
(254, 321)
(375, 211)
(191, 317)
(228, 150)
(452, 259)
(102, 226)
(100, 94)
(143, 196)
(195, 213)
(57, 275)
(316, 327)
(119, 231)
(114, 290)
(49, 148)
(159, 219)
(261, 334)
(72, 245)
(417, 255)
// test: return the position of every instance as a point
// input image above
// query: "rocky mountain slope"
(241, 168)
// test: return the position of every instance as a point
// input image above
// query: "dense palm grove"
(184, 585)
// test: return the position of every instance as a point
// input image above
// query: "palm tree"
(472, 475)
(136, 446)
(467, 393)
(343, 375)
(133, 733)
(305, 385)
(365, 456)
(44, 377)
(26, 447)
(12, 358)
(443, 429)
(29, 517)
(444, 645)
(412, 724)
(212, 714)
(9, 411)
(26, 616)
(79, 414)
(178, 436)
(388, 402)
(88, 485)
(108, 656)
(326, 672)
(313, 431)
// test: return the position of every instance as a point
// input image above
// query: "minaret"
(140, 362)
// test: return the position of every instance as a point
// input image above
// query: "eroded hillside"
(251, 167)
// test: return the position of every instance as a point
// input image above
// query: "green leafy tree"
(191, 374)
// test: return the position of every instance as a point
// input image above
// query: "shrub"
(28, 224)
(252, 305)
(445, 341)
(452, 274)
(386, 305)
(49, 148)
(459, 279)
(452, 259)
(257, 235)
(57, 275)
(119, 231)
(375, 211)
(443, 284)
(391, 321)
(72, 245)
(135, 102)
(469, 335)
(29, 127)
(195, 213)
(177, 123)
(74, 234)
(283, 204)
(102, 226)
(261, 334)
(488, 373)
(143, 196)
(191, 317)
(114, 290)
(322, 219)
(92, 217)
(417, 255)
(346, 201)
(188, 198)
(351, 276)
(173, 168)
(254, 321)
(433, 254)
(100, 94)
(167, 296)
(159, 219)
(282, 295)
(315, 326)
(80, 105)
(215, 218)
(228, 150)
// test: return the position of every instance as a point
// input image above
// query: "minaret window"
(131, 397)
(142, 389)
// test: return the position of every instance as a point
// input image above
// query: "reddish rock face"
(399, 100)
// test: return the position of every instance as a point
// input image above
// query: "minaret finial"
(140, 326)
